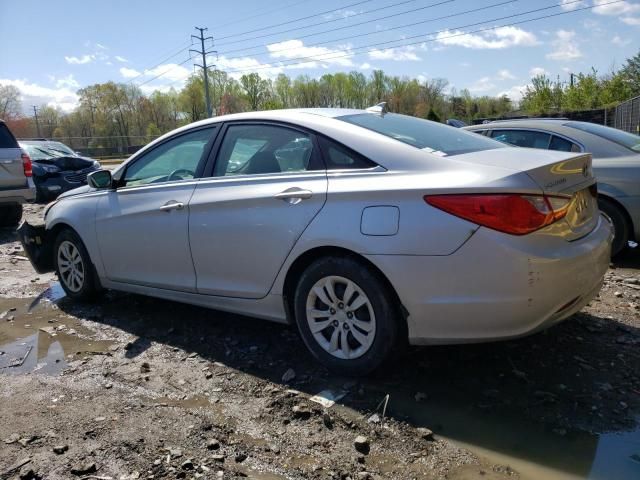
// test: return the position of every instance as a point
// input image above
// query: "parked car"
(616, 162)
(454, 122)
(16, 183)
(57, 168)
(366, 229)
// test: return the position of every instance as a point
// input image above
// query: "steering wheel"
(176, 173)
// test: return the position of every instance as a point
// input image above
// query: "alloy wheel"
(340, 317)
(71, 266)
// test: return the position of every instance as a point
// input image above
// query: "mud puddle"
(532, 450)
(36, 337)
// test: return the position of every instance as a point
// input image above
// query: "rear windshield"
(434, 137)
(7, 139)
(620, 137)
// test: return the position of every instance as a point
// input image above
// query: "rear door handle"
(294, 195)
(172, 205)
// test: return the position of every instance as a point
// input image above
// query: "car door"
(267, 183)
(142, 225)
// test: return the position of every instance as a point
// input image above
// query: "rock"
(84, 468)
(145, 367)
(424, 433)
(618, 294)
(375, 418)
(28, 473)
(213, 444)
(240, 457)
(175, 452)
(108, 385)
(363, 476)
(217, 458)
(27, 440)
(327, 420)
(13, 438)
(60, 449)
(187, 465)
(361, 443)
(208, 375)
(301, 412)
(289, 375)
(99, 419)
(631, 281)
(420, 396)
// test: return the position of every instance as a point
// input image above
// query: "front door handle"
(172, 205)
(294, 195)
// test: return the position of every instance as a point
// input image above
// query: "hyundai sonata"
(366, 229)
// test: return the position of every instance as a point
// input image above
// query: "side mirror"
(100, 179)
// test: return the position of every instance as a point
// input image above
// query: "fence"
(105, 147)
(627, 116)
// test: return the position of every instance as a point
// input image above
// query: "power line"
(350, 37)
(160, 63)
(338, 28)
(173, 67)
(262, 13)
(296, 19)
(367, 48)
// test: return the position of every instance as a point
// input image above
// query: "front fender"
(36, 243)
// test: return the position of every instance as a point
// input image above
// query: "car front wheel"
(346, 315)
(74, 267)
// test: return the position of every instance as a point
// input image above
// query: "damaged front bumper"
(34, 241)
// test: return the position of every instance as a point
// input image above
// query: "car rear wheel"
(74, 267)
(346, 315)
(10, 215)
(620, 225)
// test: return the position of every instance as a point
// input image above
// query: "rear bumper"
(20, 195)
(498, 286)
(34, 240)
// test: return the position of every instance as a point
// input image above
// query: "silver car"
(365, 229)
(616, 163)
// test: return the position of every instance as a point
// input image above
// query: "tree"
(630, 74)
(255, 88)
(10, 107)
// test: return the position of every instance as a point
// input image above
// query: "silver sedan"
(365, 229)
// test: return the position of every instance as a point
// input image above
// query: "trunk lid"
(563, 174)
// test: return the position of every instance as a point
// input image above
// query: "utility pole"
(571, 75)
(35, 113)
(204, 67)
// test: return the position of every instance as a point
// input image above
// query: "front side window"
(176, 159)
(433, 137)
(522, 138)
(258, 149)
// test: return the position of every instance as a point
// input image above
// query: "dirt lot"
(133, 387)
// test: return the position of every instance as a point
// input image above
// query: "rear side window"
(7, 140)
(628, 140)
(563, 145)
(523, 138)
(339, 157)
(433, 137)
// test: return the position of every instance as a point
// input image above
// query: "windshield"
(434, 137)
(37, 152)
(628, 140)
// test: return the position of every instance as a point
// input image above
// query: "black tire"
(620, 225)
(388, 318)
(89, 287)
(10, 215)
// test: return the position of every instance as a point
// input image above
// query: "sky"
(51, 49)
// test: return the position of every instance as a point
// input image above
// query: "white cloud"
(482, 85)
(635, 21)
(535, 71)
(247, 65)
(365, 66)
(515, 93)
(565, 46)
(67, 81)
(101, 47)
(505, 74)
(498, 38)
(606, 7)
(568, 5)
(619, 41)
(168, 71)
(290, 49)
(121, 59)
(33, 94)
(397, 54)
(129, 72)
(80, 60)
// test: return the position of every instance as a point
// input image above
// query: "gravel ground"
(134, 387)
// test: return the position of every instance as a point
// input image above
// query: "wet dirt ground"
(134, 387)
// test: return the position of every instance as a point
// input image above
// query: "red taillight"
(26, 165)
(509, 213)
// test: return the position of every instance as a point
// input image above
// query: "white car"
(366, 229)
